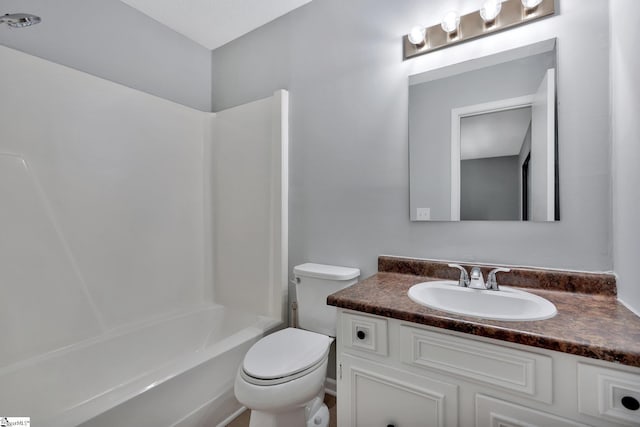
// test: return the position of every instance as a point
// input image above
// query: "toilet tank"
(314, 282)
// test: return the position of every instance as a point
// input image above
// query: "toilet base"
(320, 418)
(313, 414)
(294, 418)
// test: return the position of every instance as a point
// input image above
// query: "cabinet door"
(492, 412)
(374, 395)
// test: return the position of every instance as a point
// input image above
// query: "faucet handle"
(464, 276)
(492, 283)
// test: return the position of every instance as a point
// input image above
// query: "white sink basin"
(506, 304)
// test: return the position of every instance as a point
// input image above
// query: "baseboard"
(330, 386)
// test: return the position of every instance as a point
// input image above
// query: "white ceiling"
(213, 23)
(494, 134)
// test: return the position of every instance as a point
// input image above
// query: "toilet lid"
(285, 353)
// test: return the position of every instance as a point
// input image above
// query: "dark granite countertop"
(594, 325)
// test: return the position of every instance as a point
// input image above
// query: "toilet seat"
(275, 381)
(284, 356)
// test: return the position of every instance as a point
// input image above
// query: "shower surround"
(121, 211)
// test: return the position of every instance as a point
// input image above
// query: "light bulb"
(450, 22)
(490, 10)
(531, 4)
(417, 35)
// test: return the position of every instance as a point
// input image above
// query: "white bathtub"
(173, 371)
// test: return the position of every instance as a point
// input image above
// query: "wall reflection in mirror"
(482, 139)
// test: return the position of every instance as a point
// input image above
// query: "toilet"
(281, 379)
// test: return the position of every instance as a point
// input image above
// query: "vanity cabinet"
(392, 372)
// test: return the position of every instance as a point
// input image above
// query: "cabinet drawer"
(609, 394)
(365, 333)
(501, 367)
(492, 412)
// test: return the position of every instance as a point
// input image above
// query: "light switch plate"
(423, 214)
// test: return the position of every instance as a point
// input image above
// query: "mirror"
(482, 139)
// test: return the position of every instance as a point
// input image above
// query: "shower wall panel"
(104, 223)
(250, 183)
(42, 294)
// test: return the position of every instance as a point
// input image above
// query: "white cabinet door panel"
(382, 396)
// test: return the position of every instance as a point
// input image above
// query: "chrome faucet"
(492, 284)
(477, 281)
(464, 276)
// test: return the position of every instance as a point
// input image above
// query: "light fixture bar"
(472, 26)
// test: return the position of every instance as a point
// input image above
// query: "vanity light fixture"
(490, 10)
(450, 23)
(531, 4)
(417, 35)
(493, 16)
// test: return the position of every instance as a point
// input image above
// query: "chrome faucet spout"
(464, 276)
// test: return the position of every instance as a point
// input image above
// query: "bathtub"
(173, 371)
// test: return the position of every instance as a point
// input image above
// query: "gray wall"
(430, 106)
(625, 38)
(109, 39)
(349, 177)
(489, 189)
(349, 184)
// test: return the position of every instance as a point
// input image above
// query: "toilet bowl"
(281, 378)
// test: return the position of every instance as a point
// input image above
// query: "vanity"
(400, 363)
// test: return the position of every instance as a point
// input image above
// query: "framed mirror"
(482, 139)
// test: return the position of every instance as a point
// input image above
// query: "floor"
(330, 401)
